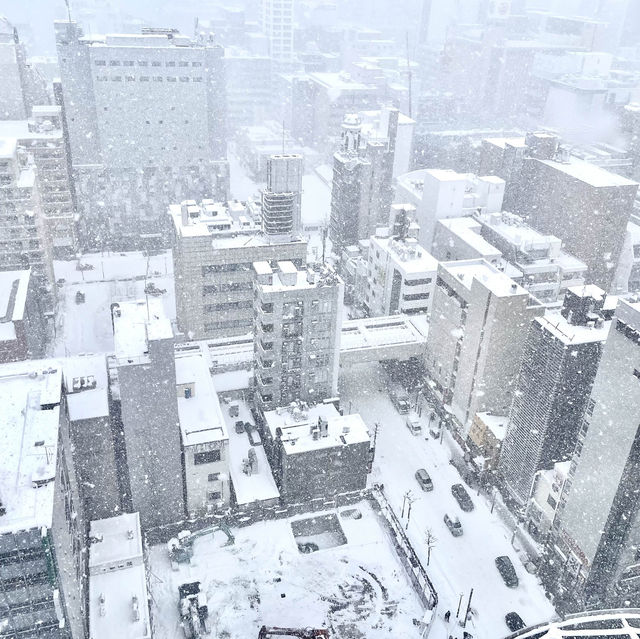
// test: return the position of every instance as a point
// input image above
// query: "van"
(423, 478)
(413, 425)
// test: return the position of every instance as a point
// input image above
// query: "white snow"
(86, 402)
(264, 579)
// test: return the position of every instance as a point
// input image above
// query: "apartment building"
(401, 274)
(479, 322)
(24, 241)
(214, 248)
(298, 317)
(43, 565)
(146, 120)
(559, 364)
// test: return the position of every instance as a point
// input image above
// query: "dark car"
(462, 497)
(514, 621)
(454, 525)
(507, 571)
(423, 478)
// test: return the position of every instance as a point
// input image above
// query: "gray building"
(297, 333)
(479, 322)
(146, 374)
(316, 453)
(593, 551)
(559, 363)
(146, 121)
(282, 197)
(214, 247)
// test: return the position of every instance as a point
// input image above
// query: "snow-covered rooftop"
(13, 297)
(118, 598)
(86, 384)
(135, 324)
(201, 419)
(567, 333)
(497, 424)
(408, 256)
(589, 173)
(465, 271)
(468, 230)
(30, 398)
(296, 427)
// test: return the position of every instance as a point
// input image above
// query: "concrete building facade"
(479, 323)
(282, 197)
(297, 334)
(214, 248)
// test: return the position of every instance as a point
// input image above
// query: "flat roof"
(30, 393)
(201, 419)
(8, 147)
(87, 386)
(13, 297)
(340, 81)
(518, 142)
(560, 328)
(497, 424)
(589, 173)
(468, 230)
(465, 271)
(135, 323)
(295, 426)
(120, 539)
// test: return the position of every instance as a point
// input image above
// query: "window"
(170, 64)
(171, 78)
(184, 78)
(155, 63)
(196, 64)
(114, 63)
(213, 477)
(116, 78)
(214, 495)
(157, 78)
(144, 78)
(100, 63)
(183, 64)
(208, 457)
(197, 79)
(143, 63)
(127, 63)
(552, 501)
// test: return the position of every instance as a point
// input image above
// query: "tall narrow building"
(559, 363)
(282, 197)
(276, 21)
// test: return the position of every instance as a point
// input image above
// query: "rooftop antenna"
(68, 9)
(409, 72)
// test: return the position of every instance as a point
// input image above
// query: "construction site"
(332, 574)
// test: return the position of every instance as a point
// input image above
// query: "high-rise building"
(297, 334)
(24, 241)
(402, 275)
(559, 363)
(276, 22)
(41, 136)
(146, 121)
(146, 383)
(282, 197)
(593, 552)
(361, 191)
(214, 248)
(479, 323)
(43, 563)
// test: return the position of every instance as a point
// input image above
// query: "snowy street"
(457, 563)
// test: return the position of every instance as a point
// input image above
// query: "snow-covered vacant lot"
(359, 587)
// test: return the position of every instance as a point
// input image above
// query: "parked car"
(80, 297)
(239, 427)
(413, 425)
(454, 525)
(462, 497)
(507, 571)
(514, 621)
(423, 478)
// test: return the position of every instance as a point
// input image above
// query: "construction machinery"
(194, 612)
(301, 633)
(181, 547)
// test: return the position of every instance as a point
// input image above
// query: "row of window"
(226, 268)
(215, 326)
(228, 306)
(146, 78)
(207, 457)
(415, 296)
(420, 282)
(145, 63)
(226, 287)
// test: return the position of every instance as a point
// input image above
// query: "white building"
(282, 197)
(545, 497)
(205, 442)
(297, 333)
(214, 248)
(438, 194)
(479, 321)
(401, 275)
(627, 277)
(276, 21)
(459, 238)
(118, 596)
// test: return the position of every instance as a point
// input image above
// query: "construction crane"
(194, 612)
(181, 547)
(301, 633)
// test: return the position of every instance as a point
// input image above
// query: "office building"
(402, 275)
(24, 241)
(353, 268)
(22, 327)
(42, 526)
(460, 238)
(439, 194)
(282, 197)
(42, 138)
(214, 248)
(297, 333)
(118, 595)
(316, 453)
(361, 192)
(593, 552)
(86, 387)
(146, 373)
(479, 323)
(205, 442)
(22, 85)
(559, 363)
(276, 22)
(146, 120)
(546, 494)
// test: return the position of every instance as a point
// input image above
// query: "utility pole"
(375, 433)
(410, 499)
(466, 616)
(406, 496)
(430, 538)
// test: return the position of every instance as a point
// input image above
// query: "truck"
(400, 399)
(194, 611)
